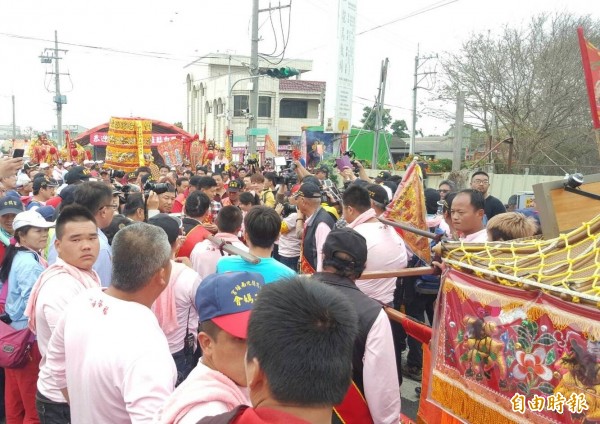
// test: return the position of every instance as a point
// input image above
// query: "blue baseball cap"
(227, 300)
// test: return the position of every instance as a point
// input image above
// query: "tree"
(179, 124)
(399, 128)
(369, 118)
(528, 84)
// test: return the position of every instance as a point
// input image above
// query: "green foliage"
(399, 128)
(369, 118)
(178, 124)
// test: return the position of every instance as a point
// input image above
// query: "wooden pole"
(410, 228)
(232, 250)
(404, 272)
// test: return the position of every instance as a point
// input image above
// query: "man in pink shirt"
(77, 246)
(175, 308)
(206, 254)
(467, 216)
(108, 354)
(386, 248)
(218, 383)
(344, 260)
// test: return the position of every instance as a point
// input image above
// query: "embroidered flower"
(531, 362)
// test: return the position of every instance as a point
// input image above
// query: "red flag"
(408, 206)
(590, 58)
(270, 146)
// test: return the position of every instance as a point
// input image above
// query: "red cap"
(234, 324)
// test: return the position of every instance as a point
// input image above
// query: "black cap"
(44, 182)
(167, 223)
(378, 194)
(309, 191)
(348, 241)
(382, 176)
(235, 185)
(10, 204)
(77, 173)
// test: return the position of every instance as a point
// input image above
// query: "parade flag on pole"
(408, 206)
(590, 58)
(270, 147)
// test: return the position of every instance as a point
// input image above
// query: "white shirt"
(113, 358)
(480, 236)
(52, 300)
(289, 243)
(206, 254)
(386, 251)
(185, 282)
(380, 380)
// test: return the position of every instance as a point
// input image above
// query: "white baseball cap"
(88, 162)
(44, 165)
(23, 180)
(67, 164)
(32, 218)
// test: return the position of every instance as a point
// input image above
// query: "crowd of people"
(217, 294)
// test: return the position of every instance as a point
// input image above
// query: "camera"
(252, 161)
(288, 209)
(158, 188)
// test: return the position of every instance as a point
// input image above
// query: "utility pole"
(458, 131)
(254, 71)
(419, 61)
(58, 98)
(14, 123)
(379, 111)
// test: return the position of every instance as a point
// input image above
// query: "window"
(240, 104)
(264, 107)
(293, 109)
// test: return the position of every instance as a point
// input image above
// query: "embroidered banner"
(504, 355)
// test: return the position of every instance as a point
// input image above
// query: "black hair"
(205, 182)
(181, 180)
(479, 173)
(164, 166)
(189, 173)
(247, 198)
(262, 225)
(10, 253)
(143, 169)
(346, 268)
(271, 176)
(448, 202)
(92, 195)
(449, 183)
(229, 219)
(357, 197)
(432, 196)
(118, 222)
(72, 213)
(477, 199)
(134, 202)
(197, 204)
(210, 328)
(306, 323)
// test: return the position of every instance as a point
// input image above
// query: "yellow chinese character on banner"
(577, 403)
(537, 403)
(518, 403)
(556, 403)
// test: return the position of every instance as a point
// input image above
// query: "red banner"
(505, 354)
(101, 138)
(590, 58)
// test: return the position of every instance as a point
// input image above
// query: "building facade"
(218, 92)
(74, 130)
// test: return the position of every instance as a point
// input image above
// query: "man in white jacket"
(218, 383)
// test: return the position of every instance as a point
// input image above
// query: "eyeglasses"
(484, 182)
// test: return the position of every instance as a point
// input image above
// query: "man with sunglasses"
(480, 181)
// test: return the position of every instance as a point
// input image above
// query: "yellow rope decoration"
(569, 262)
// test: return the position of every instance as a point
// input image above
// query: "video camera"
(158, 188)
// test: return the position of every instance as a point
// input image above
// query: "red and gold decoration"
(172, 152)
(73, 152)
(129, 143)
(408, 206)
(228, 154)
(507, 355)
(270, 148)
(43, 150)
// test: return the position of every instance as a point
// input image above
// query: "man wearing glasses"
(480, 181)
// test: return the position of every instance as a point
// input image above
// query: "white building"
(285, 106)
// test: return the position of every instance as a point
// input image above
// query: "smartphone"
(18, 153)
